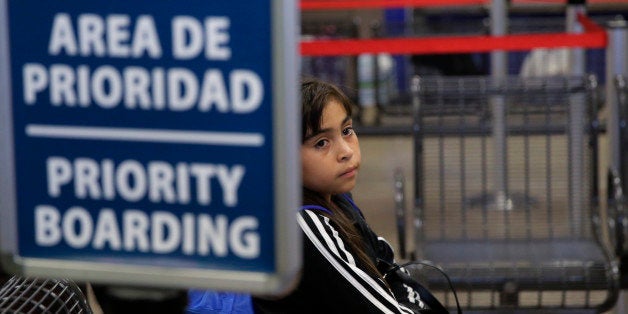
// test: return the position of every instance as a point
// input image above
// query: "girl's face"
(331, 158)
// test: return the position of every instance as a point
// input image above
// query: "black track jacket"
(332, 280)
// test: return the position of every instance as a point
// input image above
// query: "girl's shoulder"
(343, 201)
(315, 208)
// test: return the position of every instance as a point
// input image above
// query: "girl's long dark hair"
(315, 95)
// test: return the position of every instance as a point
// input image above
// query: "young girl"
(347, 268)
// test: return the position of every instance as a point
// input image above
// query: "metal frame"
(517, 243)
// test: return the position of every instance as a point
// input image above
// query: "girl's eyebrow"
(344, 121)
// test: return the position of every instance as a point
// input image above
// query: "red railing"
(372, 4)
(382, 4)
(594, 36)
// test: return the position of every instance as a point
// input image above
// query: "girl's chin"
(346, 189)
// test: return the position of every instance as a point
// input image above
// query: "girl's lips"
(349, 173)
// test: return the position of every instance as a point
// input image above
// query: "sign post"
(150, 143)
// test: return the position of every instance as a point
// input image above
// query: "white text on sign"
(135, 87)
(114, 62)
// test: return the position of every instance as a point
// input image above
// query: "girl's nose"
(346, 151)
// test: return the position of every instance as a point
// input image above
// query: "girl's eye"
(348, 131)
(321, 143)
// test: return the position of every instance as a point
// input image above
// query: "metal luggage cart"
(512, 218)
(617, 182)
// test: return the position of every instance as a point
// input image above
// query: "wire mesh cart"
(506, 193)
(42, 296)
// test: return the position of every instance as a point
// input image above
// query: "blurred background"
(504, 164)
(493, 185)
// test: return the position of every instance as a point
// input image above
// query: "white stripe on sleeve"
(353, 272)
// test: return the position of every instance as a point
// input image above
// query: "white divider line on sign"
(145, 135)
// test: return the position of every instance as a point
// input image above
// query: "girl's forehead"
(333, 111)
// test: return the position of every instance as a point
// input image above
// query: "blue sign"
(150, 136)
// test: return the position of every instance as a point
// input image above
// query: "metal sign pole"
(577, 110)
(499, 70)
